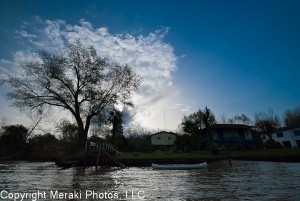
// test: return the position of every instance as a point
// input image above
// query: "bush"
(271, 144)
(13, 140)
(42, 147)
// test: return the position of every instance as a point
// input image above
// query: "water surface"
(245, 180)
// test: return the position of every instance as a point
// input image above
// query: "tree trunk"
(82, 134)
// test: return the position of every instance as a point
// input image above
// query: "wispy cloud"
(148, 54)
(25, 34)
(6, 66)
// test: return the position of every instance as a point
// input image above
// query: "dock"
(105, 153)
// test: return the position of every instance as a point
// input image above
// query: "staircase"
(104, 151)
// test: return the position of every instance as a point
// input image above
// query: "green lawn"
(167, 154)
(208, 154)
(267, 152)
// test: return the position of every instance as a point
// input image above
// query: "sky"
(235, 57)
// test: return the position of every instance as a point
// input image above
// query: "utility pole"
(165, 119)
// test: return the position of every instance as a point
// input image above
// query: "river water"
(245, 180)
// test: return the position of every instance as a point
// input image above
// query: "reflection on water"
(245, 180)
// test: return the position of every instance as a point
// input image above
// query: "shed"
(163, 138)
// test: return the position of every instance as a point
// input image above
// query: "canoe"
(178, 166)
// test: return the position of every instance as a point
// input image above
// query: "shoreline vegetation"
(163, 157)
(145, 159)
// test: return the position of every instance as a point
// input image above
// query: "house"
(163, 138)
(234, 134)
(288, 136)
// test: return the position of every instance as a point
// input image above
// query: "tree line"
(89, 87)
(16, 143)
(196, 127)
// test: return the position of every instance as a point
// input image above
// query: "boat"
(178, 166)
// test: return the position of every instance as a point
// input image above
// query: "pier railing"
(104, 151)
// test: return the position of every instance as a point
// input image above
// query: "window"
(170, 138)
(279, 135)
(220, 133)
(297, 132)
(158, 138)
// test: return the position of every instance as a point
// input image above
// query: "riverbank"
(144, 159)
(162, 157)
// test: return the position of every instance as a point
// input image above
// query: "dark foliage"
(42, 148)
(77, 80)
(13, 140)
(292, 117)
(267, 122)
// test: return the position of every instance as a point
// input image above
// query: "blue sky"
(233, 56)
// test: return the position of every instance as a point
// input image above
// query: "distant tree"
(78, 81)
(191, 124)
(197, 126)
(223, 119)
(13, 139)
(240, 119)
(236, 119)
(195, 122)
(110, 123)
(292, 117)
(42, 147)
(101, 124)
(208, 117)
(116, 119)
(138, 139)
(68, 130)
(267, 122)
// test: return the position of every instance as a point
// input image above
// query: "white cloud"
(149, 55)
(6, 66)
(21, 57)
(24, 34)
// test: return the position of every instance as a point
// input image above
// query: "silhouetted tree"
(267, 122)
(68, 130)
(77, 80)
(292, 117)
(138, 139)
(240, 119)
(13, 139)
(197, 126)
(209, 119)
(116, 120)
(42, 147)
(195, 122)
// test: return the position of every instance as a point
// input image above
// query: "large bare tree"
(77, 80)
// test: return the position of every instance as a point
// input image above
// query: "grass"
(167, 154)
(208, 154)
(266, 152)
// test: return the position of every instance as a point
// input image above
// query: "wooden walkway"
(104, 152)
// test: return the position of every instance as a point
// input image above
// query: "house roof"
(164, 132)
(229, 126)
(286, 128)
